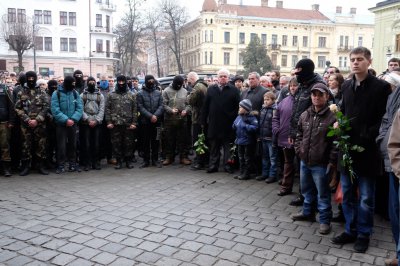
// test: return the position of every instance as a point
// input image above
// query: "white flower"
(334, 108)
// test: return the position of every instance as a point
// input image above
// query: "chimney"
(315, 7)
(338, 10)
(353, 10)
(264, 3)
(279, 4)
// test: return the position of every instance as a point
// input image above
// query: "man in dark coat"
(364, 103)
(255, 93)
(219, 111)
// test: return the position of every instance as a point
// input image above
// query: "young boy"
(269, 150)
(246, 126)
(318, 155)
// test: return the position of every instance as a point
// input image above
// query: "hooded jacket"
(281, 121)
(266, 116)
(150, 102)
(65, 105)
(93, 106)
(246, 127)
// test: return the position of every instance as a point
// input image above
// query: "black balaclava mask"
(78, 75)
(22, 79)
(51, 86)
(121, 87)
(275, 82)
(129, 82)
(92, 85)
(69, 83)
(177, 83)
(149, 81)
(307, 70)
(31, 83)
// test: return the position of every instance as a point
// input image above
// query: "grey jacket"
(93, 107)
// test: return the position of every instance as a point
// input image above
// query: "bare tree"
(128, 32)
(19, 34)
(175, 16)
(153, 25)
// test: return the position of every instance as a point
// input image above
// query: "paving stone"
(210, 250)
(226, 244)
(192, 245)
(243, 239)
(225, 263)
(243, 248)
(230, 255)
(96, 243)
(303, 262)
(326, 259)
(131, 241)
(130, 253)
(166, 250)
(167, 261)
(304, 254)
(283, 249)
(80, 262)
(185, 255)
(71, 248)
(63, 259)
(6, 255)
(173, 241)
(26, 236)
(112, 247)
(87, 253)
(204, 260)
(285, 259)
(148, 257)
(188, 236)
(20, 260)
(148, 245)
(30, 251)
(362, 258)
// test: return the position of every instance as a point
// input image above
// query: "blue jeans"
(314, 183)
(394, 206)
(269, 154)
(359, 212)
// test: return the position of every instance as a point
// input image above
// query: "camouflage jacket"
(196, 100)
(121, 108)
(32, 104)
(174, 99)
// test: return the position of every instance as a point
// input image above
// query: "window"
(241, 38)
(284, 40)
(206, 36)
(211, 36)
(295, 41)
(64, 44)
(346, 41)
(264, 39)
(305, 41)
(341, 40)
(44, 71)
(108, 23)
(98, 1)
(345, 61)
(397, 43)
(284, 60)
(321, 61)
(322, 42)
(226, 58)
(253, 36)
(99, 46)
(240, 59)
(274, 59)
(99, 20)
(38, 43)
(304, 57)
(63, 18)
(47, 17)
(294, 60)
(108, 48)
(274, 39)
(72, 18)
(21, 15)
(227, 37)
(211, 58)
(360, 41)
(72, 45)
(12, 15)
(205, 58)
(68, 71)
(48, 44)
(38, 17)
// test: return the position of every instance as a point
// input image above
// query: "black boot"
(7, 169)
(41, 169)
(25, 166)
(129, 163)
(119, 164)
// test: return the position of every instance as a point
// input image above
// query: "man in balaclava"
(121, 119)
(306, 77)
(175, 121)
(32, 106)
(129, 83)
(92, 117)
(79, 83)
(67, 108)
(52, 86)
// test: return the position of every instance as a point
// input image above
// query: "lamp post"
(34, 45)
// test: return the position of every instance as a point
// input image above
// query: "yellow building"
(222, 31)
(387, 33)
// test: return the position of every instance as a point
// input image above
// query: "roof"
(272, 12)
(209, 6)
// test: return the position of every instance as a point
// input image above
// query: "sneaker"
(343, 238)
(391, 262)
(302, 217)
(324, 229)
(60, 169)
(361, 244)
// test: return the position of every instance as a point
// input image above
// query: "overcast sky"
(326, 6)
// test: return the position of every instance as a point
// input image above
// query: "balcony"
(105, 30)
(274, 47)
(108, 7)
(344, 48)
(105, 55)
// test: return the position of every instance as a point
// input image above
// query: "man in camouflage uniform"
(121, 119)
(7, 121)
(32, 106)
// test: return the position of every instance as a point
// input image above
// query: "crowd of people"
(270, 127)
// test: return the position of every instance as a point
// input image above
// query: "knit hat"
(90, 78)
(148, 77)
(307, 69)
(177, 82)
(246, 104)
(320, 87)
(121, 78)
(68, 83)
(52, 83)
(238, 77)
(40, 82)
(31, 74)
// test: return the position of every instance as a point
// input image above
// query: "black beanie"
(90, 79)
(22, 79)
(177, 82)
(52, 83)
(31, 74)
(68, 80)
(307, 70)
(148, 77)
(121, 78)
(77, 72)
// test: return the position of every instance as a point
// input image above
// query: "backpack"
(59, 95)
(84, 98)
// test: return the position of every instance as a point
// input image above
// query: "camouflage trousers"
(5, 142)
(122, 140)
(33, 142)
(175, 138)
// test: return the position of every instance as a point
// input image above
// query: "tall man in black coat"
(219, 111)
(364, 103)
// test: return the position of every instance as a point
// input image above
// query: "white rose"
(333, 108)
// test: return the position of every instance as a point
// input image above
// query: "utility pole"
(34, 45)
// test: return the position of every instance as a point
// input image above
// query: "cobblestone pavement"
(168, 216)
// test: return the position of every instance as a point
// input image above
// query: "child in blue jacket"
(246, 126)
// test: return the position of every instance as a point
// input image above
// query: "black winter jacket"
(266, 122)
(7, 112)
(256, 96)
(149, 102)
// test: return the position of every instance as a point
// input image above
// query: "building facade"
(387, 33)
(69, 35)
(222, 31)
